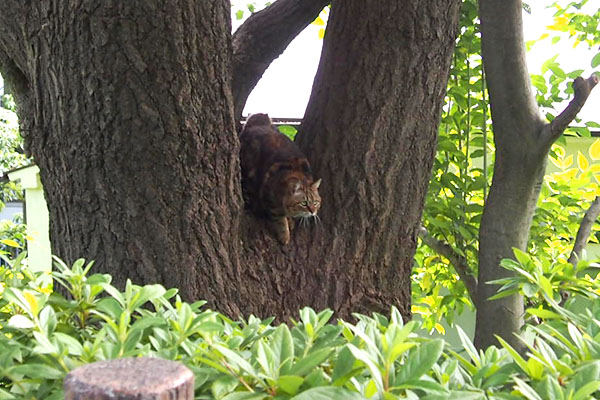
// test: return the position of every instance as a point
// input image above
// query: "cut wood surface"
(130, 378)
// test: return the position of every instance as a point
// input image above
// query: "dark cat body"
(276, 177)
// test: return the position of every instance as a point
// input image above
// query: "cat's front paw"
(281, 230)
(284, 239)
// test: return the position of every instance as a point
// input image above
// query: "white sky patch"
(569, 58)
(285, 87)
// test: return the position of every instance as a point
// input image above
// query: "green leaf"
(371, 365)
(111, 307)
(394, 343)
(515, 355)
(526, 390)
(550, 389)
(290, 383)
(265, 358)
(585, 392)
(521, 256)
(235, 359)
(577, 337)
(4, 395)
(223, 386)
(282, 345)
(327, 393)
(420, 361)
(460, 395)
(288, 130)
(37, 371)
(246, 396)
(425, 385)
(111, 290)
(75, 348)
(147, 293)
(468, 346)
(343, 366)
(596, 60)
(306, 364)
(584, 375)
(146, 322)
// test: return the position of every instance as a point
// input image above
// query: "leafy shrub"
(11, 150)
(44, 335)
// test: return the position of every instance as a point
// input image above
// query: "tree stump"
(130, 378)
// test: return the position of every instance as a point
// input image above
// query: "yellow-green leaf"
(32, 301)
(595, 150)
(545, 314)
(439, 327)
(371, 389)
(568, 161)
(11, 243)
(535, 368)
(546, 286)
(319, 21)
(321, 33)
(582, 162)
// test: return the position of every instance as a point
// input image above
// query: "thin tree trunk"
(522, 142)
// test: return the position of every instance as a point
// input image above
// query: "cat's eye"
(304, 203)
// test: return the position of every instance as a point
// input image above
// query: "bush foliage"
(44, 335)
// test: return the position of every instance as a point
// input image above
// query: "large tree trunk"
(128, 113)
(127, 109)
(522, 141)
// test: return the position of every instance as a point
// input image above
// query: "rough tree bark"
(584, 231)
(127, 108)
(522, 142)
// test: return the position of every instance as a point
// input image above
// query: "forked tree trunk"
(370, 133)
(522, 142)
(128, 112)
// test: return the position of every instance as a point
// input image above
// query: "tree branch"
(585, 229)
(12, 74)
(262, 38)
(12, 37)
(458, 262)
(582, 88)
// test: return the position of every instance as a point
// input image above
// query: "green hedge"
(44, 336)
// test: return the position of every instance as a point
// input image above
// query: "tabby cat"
(276, 178)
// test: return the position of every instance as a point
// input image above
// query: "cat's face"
(303, 200)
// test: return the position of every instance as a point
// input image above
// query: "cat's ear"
(296, 187)
(316, 184)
